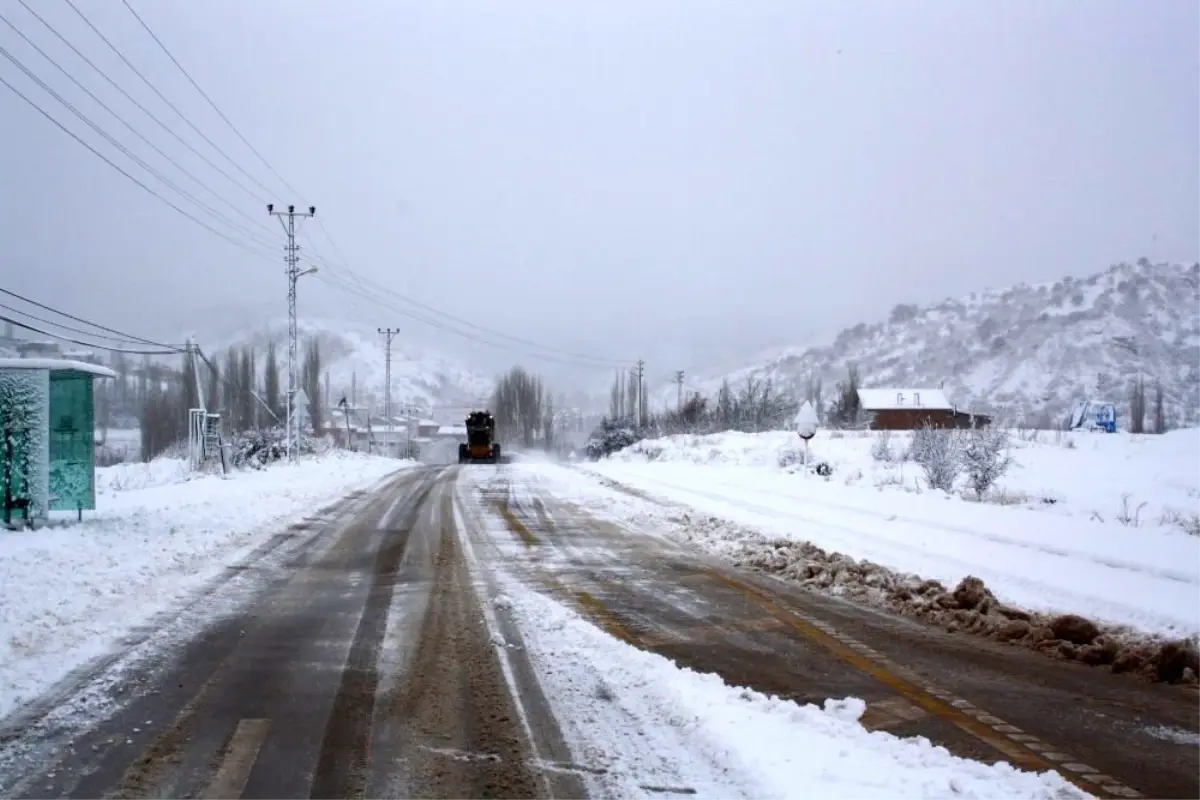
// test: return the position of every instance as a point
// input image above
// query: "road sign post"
(806, 426)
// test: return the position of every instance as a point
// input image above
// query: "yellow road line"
(240, 755)
(1023, 750)
(516, 525)
(957, 712)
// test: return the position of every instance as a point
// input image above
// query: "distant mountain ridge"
(354, 359)
(1026, 351)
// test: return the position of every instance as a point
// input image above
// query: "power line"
(106, 160)
(369, 286)
(565, 356)
(340, 282)
(85, 332)
(215, 108)
(126, 123)
(140, 107)
(133, 157)
(128, 337)
(154, 89)
(93, 345)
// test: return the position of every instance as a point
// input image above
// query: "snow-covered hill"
(1026, 350)
(354, 355)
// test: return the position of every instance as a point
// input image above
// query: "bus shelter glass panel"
(72, 442)
(23, 447)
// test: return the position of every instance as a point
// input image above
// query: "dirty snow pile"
(1054, 557)
(642, 727)
(69, 592)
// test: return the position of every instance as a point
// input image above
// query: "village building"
(909, 409)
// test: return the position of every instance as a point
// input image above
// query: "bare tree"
(726, 406)
(1137, 407)
(548, 424)
(1160, 416)
(881, 448)
(518, 403)
(631, 400)
(163, 414)
(191, 392)
(310, 381)
(847, 410)
(746, 404)
(812, 393)
(230, 389)
(247, 406)
(271, 379)
(212, 397)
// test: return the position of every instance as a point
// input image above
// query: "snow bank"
(643, 726)
(1051, 558)
(68, 593)
(159, 472)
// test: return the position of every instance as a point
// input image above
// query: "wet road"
(364, 663)
(363, 669)
(977, 698)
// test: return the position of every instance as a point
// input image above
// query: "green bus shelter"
(47, 436)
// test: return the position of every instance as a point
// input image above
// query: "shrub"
(985, 457)
(938, 452)
(881, 450)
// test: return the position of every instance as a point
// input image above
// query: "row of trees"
(758, 405)
(523, 409)
(1137, 408)
(627, 398)
(247, 398)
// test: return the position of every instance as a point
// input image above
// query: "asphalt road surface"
(356, 659)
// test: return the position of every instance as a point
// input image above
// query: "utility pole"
(641, 392)
(387, 334)
(631, 391)
(293, 274)
(679, 390)
(410, 413)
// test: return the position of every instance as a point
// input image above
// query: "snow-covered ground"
(1091, 551)
(68, 593)
(656, 728)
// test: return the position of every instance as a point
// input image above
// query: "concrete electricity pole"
(387, 334)
(679, 390)
(293, 274)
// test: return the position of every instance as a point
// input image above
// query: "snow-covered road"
(729, 682)
(581, 643)
(74, 592)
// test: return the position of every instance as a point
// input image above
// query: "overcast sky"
(671, 180)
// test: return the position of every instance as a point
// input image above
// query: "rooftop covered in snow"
(57, 365)
(895, 399)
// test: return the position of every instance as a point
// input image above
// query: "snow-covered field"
(654, 727)
(1066, 531)
(68, 593)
